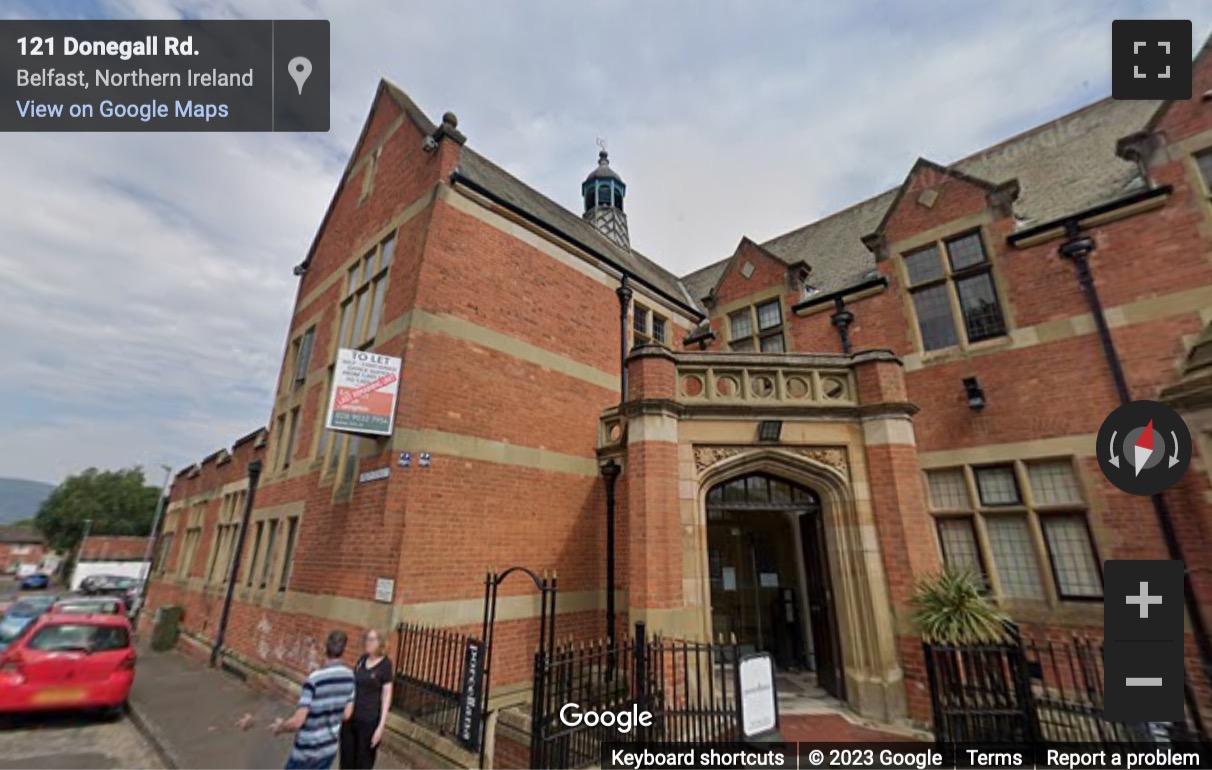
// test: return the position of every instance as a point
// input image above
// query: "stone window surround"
(938, 238)
(647, 336)
(756, 333)
(329, 446)
(276, 566)
(1034, 512)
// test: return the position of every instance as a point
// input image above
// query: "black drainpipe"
(1077, 249)
(254, 475)
(611, 470)
(624, 293)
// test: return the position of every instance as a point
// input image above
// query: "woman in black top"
(362, 734)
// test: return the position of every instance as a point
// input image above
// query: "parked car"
(90, 605)
(20, 615)
(39, 581)
(69, 661)
(133, 597)
(114, 585)
(95, 584)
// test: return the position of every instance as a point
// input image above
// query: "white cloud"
(145, 281)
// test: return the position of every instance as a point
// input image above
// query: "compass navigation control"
(1144, 448)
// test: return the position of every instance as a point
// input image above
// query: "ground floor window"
(1022, 525)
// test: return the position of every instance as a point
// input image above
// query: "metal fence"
(688, 687)
(1029, 691)
(429, 666)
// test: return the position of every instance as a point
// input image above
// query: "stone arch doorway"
(769, 574)
(871, 679)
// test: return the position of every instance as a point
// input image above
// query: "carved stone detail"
(707, 456)
(834, 458)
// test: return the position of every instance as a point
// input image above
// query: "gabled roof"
(1066, 165)
(922, 164)
(504, 185)
(521, 196)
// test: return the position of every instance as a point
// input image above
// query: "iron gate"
(1028, 691)
(689, 688)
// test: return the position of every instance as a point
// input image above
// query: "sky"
(145, 279)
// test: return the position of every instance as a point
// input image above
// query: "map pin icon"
(299, 69)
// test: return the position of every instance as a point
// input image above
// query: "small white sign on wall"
(385, 590)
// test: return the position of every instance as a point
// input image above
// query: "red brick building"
(808, 425)
(21, 550)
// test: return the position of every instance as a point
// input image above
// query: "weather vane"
(601, 144)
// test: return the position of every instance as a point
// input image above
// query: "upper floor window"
(303, 355)
(959, 285)
(1204, 161)
(365, 290)
(1006, 521)
(648, 327)
(758, 327)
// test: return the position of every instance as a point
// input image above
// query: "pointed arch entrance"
(769, 573)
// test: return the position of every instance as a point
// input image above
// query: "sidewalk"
(192, 715)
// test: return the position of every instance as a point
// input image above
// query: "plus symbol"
(1144, 600)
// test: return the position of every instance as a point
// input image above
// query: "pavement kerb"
(147, 728)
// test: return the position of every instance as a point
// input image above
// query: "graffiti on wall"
(292, 649)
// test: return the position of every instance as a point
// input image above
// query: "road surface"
(73, 742)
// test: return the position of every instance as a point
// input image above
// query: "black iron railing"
(689, 688)
(429, 666)
(1029, 691)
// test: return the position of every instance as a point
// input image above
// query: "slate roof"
(501, 183)
(1062, 167)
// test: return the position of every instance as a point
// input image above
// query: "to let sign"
(470, 707)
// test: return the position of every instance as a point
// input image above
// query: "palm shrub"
(953, 607)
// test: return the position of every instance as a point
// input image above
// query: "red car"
(69, 661)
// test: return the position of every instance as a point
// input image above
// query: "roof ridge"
(598, 235)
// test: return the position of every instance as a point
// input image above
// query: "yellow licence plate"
(59, 695)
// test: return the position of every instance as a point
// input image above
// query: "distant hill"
(20, 498)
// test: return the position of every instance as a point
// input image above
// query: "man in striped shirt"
(326, 701)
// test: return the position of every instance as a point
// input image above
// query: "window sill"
(1066, 612)
(961, 352)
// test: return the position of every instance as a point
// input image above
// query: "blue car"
(37, 581)
(20, 616)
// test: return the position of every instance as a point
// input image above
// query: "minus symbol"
(1144, 681)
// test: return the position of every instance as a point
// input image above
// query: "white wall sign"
(375, 475)
(385, 589)
(770, 580)
(364, 390)
(759, 703)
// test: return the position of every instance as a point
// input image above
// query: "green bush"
(953, 607)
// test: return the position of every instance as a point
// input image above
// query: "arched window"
(759, 491)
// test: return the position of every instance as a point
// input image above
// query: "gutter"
(833, 296)
(458, 177)
(1057, 227)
